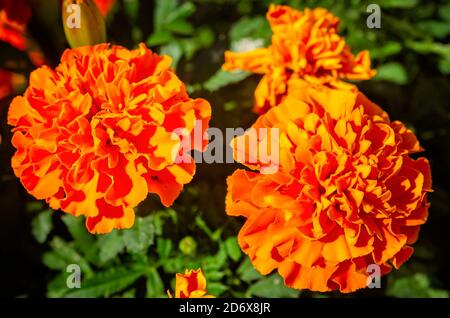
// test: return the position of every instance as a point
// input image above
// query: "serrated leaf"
(67, 252)
(84, 241)
(106, 283)
(138, 238)
(392, 72)
(415, 286)
(272, 287)
(110, 245)
(155, 286)
(223, 78)
(233, 249)
(250, 27)
(41, 225)
(248, 272)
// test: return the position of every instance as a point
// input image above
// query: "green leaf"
(204, 37)
(139, 237)
(216, 288)
(182, 12)
(54, 261)
(180, 27)
(84, 241)
(41, 225)
(217, 261)
(163, 247)
(159, 38)
(155, 286)
(67, 252)
(426, 47)
(106, 283)
(386, 50)
(444, 12)
(248, 272)
(163, 9)
(57, 287)
(400, 4)
(416, 286)
(34, 206)
(214, 275)
(272, 287)
(223, 78)
(203, 226)
(392, 72)
(250, 27)
(437, 29)
(131, 8)
(110, 245)
(233, 249)
(444, 66)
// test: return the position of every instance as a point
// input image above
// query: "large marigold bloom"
(96, 134)
(191, 284)
(306, 45)
(347, 194)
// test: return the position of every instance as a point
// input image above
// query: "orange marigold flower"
(191, 285)
(96, 134)
(346, 194)
(306, 45)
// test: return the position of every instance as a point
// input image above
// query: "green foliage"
(174, 34)
(392, 72)
(415, 286)
(143, 253)
(106, 283)
(272, 287)
(42, 225)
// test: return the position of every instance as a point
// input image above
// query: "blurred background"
(411, 53)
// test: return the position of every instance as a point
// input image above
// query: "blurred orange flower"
(105, 6)
(191, 285)
(17, 11)
(346, 195)
(10, 81)
(95, 135)
(306, 45)
(14, 16)
(12, 32)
